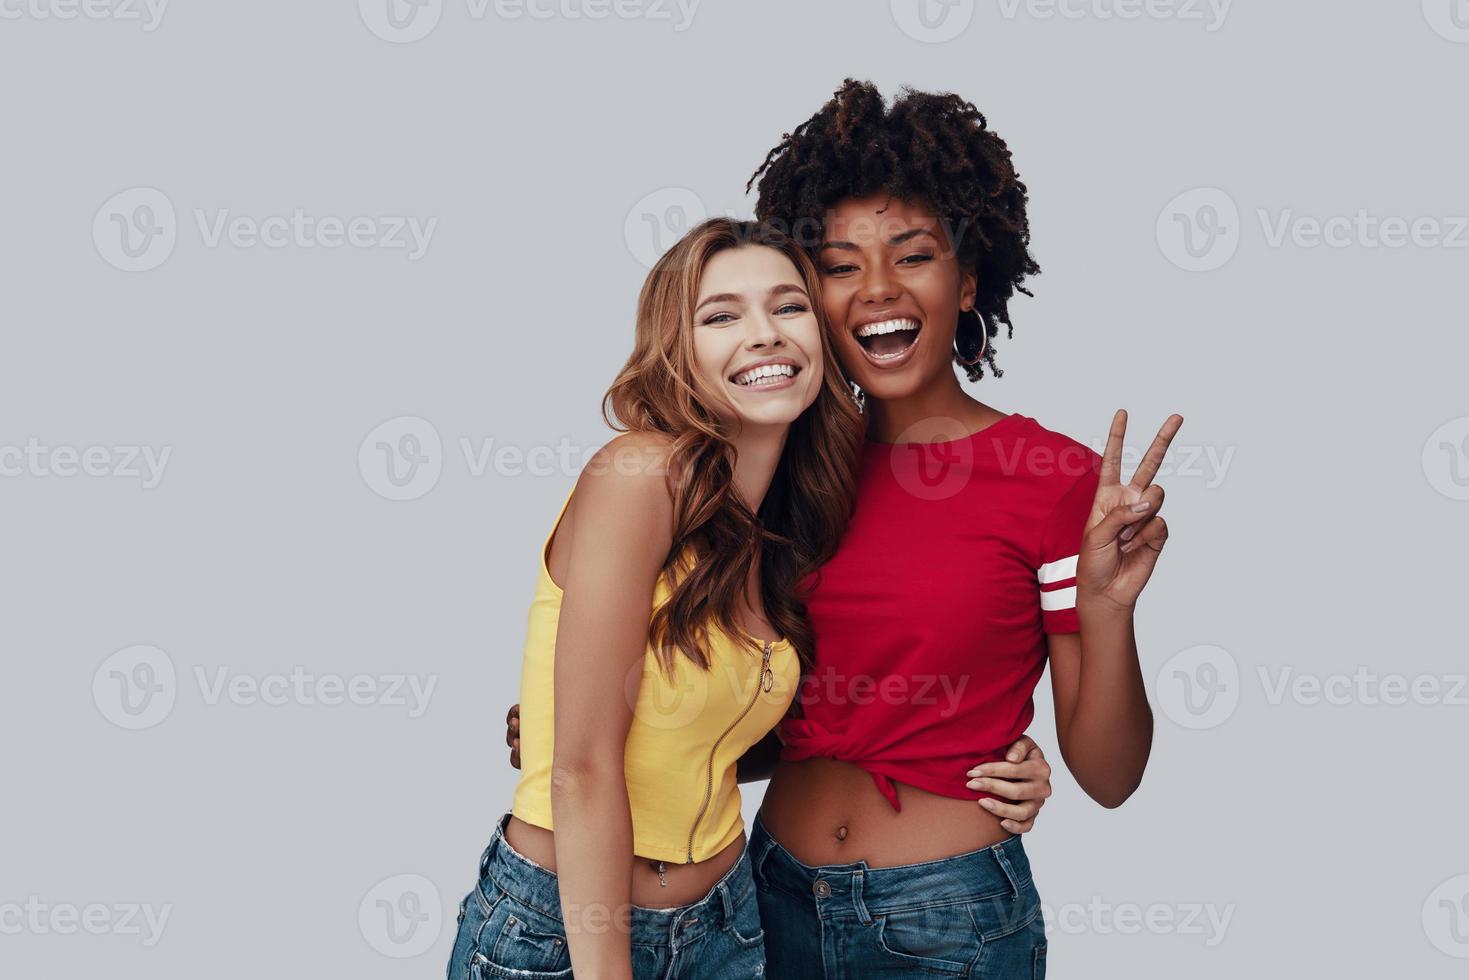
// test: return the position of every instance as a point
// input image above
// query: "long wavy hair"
(716, 537)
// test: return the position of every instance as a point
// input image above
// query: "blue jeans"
(971, 915)
(510, 926)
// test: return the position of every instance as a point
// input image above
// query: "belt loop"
(757, 860)
(495, 838)
(726, 902)
(857, 878)
(1003, 859)
(484, 859)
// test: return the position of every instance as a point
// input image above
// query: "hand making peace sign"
(1121, 543)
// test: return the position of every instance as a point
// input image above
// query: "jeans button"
(822, 889)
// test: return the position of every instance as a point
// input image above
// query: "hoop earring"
(984, 339)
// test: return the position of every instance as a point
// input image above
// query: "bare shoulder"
(627, 480)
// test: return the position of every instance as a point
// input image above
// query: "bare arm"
(621, 533)
(759, 760)
(1103, 722)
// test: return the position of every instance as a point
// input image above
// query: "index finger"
(1153, 458)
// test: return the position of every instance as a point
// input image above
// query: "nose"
(877, 285)
(762, 332)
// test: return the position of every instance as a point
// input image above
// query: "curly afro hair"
(929, 147)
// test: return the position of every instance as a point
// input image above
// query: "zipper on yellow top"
(765, 682)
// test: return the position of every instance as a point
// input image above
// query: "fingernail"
(972, 772)
(987, 803)
(1013, 756)
(1141, 506)
(1127, 532)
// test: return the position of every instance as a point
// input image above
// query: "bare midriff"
(828, 812)
(686, 883)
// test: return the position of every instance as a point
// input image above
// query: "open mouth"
(888, 340)
(765, 376)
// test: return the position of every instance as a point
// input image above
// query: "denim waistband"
(535, 886)
(857, 888)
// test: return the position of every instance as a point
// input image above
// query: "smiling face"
(893, 290)
(757, 338)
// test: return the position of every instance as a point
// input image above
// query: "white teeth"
(765, 374)
(886, 326)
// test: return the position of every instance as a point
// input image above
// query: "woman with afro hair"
(981, 545)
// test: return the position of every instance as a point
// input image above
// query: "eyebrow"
(897, 239)
(785, 287)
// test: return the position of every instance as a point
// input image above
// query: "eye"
(792, 308)
(921, 257)
(836, 270)
(719, 319)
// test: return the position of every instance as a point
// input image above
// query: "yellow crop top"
(684, 740)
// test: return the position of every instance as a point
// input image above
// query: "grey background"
(1330, 834)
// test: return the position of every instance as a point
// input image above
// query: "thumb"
(1119, 517)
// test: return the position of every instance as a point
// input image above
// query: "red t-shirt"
(930, 619)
